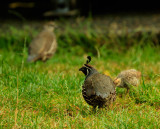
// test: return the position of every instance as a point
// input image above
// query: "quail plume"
(98, 89)
(127, 78)
(44, 45)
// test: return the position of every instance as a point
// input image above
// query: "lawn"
(48, 95)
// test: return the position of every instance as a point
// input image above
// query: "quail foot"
(98, 89)
(44, 45)
(127, 78)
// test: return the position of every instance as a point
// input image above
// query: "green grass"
(48, 95)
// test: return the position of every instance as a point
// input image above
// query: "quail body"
(98, 89)
(127, 78)
(44, 45)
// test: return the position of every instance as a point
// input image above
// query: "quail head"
(44, 45)
(98, 89)
(127, 78)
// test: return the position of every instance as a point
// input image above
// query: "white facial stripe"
(87, 71)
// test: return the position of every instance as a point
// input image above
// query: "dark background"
(36, 8)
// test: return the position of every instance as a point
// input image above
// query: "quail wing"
(99, 85)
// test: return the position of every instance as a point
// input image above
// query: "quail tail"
(31, 58)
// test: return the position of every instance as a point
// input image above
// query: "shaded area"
(50, 8)
(118, 32)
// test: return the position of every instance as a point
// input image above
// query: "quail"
(98, 89)
(44, 45)
(127, 78)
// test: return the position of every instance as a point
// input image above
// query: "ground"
(48, 95)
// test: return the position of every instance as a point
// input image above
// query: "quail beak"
(139, 74)
(117, 81)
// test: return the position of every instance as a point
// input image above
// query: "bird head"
(117, 81)
(50, 26)
(87, 69)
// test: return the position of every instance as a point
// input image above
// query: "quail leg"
(94, 109)
(100, 106)
(103, 107)
(127, 91)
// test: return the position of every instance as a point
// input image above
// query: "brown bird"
(127, 78)
(44, 45)
(98, 89)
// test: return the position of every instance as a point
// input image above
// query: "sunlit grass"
(48, 95)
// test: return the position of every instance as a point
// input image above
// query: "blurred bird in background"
(44, 45)
(127, 78)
